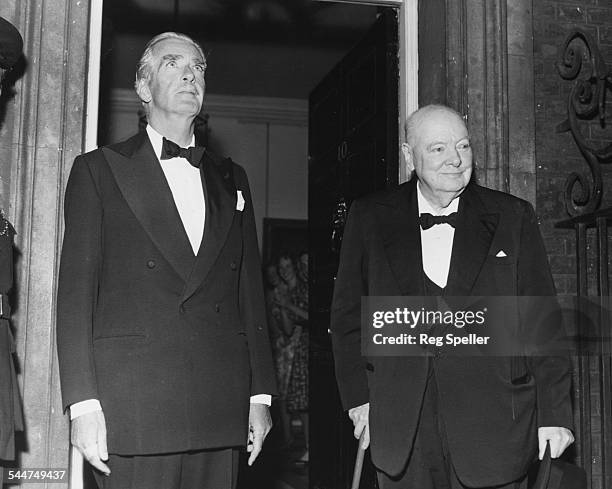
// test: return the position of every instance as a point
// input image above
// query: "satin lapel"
(145, 189)
(220, 209)
(402, 238)
(473, 235)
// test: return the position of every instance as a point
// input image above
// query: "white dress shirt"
(186, 187)
(437, 241)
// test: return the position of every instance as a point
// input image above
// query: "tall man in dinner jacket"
(443, 421)
(162, 337)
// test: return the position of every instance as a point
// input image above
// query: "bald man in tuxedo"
(446, 421)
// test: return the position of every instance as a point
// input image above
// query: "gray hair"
(416, 118)
(144, 67)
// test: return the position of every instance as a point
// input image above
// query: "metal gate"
(580, 61)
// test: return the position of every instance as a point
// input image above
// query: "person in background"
(11, 416)
(294, 317)
(283, 345)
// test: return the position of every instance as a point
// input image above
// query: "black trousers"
(430, 465)
(202, 469)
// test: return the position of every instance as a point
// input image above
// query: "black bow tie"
(170, 149)
(428, 220)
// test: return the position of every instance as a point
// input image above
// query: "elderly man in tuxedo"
(162, 338)
(446, 421)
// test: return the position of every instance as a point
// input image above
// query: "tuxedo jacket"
(491, 407)
(171, 344)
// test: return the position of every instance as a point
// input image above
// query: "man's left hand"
(260, 424)
(559, 438)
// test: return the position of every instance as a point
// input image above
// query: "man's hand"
(260, 424)
(559, 438)
(88, 435)
(360, 417)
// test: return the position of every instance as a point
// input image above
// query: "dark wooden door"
(353, 150)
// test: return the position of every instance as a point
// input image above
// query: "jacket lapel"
(398, 215)
(473, 235)
(145, 189)
(220, 195)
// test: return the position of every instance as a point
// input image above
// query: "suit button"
(217, 308)
(233, 265)
(259, 327)
(151, 264)
(369, 367)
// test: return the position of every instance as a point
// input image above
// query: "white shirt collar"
(157, 140)
(426, 207)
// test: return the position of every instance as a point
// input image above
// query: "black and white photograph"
(305, 244)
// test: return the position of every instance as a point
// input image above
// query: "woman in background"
(294, 318)
(283, 343)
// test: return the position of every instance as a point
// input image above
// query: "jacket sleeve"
(251, 299)
(78, 284)
(351, 284)
(552, 373)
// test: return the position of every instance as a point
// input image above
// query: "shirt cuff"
(262, 399)
(84, 407)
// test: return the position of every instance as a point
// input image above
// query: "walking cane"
(358, 462)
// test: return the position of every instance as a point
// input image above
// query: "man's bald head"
(437, 149)
(416, 119)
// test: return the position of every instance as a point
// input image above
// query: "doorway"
(353, 151)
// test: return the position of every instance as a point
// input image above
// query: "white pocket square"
(500, 254)
(239, 201)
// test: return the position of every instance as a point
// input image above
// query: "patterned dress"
(283, 346)
(297, 395)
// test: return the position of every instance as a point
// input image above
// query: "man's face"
(272, 275)
(440, 155)
(285, 269)
(176, 84)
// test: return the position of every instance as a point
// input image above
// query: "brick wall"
(557, 156)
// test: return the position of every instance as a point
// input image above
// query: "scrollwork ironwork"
(581, 60)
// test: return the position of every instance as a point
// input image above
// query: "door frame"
(408, 12)
(93, 75)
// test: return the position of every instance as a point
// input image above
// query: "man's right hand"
(88, 435)
(360, 417)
